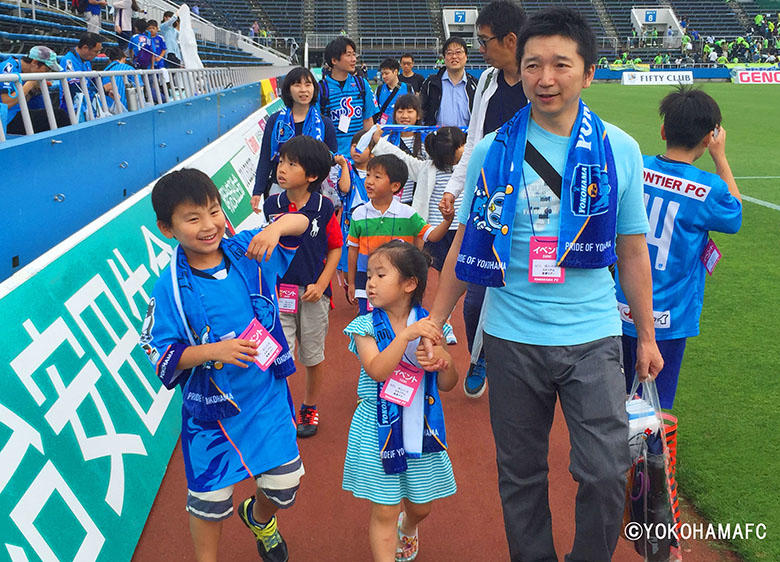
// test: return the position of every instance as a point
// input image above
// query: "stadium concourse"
(327, 523)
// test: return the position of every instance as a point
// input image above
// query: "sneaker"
(308, 421)
(451, 339)
(474, 383)
(408, 545)
(270, 544)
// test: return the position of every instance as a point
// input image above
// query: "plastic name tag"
(267, 347)
(288, 298)
(402, 385)
(369, 306)
(711, 256)
(383, 119)
(344, 123)
(542, 262)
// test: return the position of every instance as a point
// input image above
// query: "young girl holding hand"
(397, 453)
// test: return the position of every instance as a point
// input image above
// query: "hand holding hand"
(425, 328)
(447, 205)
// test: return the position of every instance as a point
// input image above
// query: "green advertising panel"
(235, 196)
(86, 428)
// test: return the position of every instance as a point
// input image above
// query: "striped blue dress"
(426, 478)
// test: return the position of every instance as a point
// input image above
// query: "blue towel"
(389, 418)
(284, 129)
(586, 235)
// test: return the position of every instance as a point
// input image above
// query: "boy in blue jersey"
(304, 291)
(389, 91)
(344, 97)
(140, 47)
(683, 203)
(118, 62)
(237, 415)
(157, 44)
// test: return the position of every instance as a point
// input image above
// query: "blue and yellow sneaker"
(474, 383)
(270, 543)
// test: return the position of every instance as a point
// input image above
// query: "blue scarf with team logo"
(588, 216)
(207, 392)
(284, 128)
(389, 415)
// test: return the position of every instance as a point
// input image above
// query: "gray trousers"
(524, 381)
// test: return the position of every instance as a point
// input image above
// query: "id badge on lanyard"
(267, 347)
(542, 263)
(288, 298)
(403, 384)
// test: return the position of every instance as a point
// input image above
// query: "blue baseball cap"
(45, 55)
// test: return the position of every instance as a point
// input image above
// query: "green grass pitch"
(728, 401)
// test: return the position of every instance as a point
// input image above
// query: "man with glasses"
(448, 95)
(79, 59)
(408, 75)
(499, 96)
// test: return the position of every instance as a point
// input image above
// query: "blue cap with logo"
(45, 55)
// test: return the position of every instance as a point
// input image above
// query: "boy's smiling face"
(378, 186)
(199, 229)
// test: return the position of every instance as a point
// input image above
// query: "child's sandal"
(408, 545)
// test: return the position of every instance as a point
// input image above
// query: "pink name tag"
(711, 256)
(542, 263)
(288, 298)
(402, 385)
(267, 347)
(383, 119)
(369, 306)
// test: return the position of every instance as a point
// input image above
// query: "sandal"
(408, 545)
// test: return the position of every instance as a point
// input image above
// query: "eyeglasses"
(483, 41)
(454, 53)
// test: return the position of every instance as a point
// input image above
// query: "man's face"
(88, 53)
(553, 75)
(406, 65)
(347, 62)
(389, 77)
(455, 57)
(498, 52)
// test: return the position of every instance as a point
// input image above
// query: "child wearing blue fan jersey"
(398, 453)
(237, 416)
(684, 204)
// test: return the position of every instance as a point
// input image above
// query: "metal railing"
(144, 88)
(154, 9)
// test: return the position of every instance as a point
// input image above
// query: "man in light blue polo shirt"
(553, 331)
(447, 95)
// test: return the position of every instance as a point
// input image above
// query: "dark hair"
(564, 22)
(89, 40)
(312, 155)
(336, 48)
(442, 144)
(410, 262)
(115, 53)
(168, 14)
(689, 115)
(139, 25)
(455, 40)
(390, 64)
(502, 18)
(407, 56)
(187, 185)
(296, 75)
(152, 23)
(393, 166)
(411, 101)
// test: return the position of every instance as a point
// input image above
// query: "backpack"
(143, 58)
(325, 100)
(79, 6)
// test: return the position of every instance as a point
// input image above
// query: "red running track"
(327, 523)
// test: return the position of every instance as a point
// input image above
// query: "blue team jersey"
(382, 93)
(10, 66)
(120, 83)
(683, 204)
(350, 104)
(72, 62)
(157, 46)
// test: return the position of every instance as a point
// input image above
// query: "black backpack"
(79, 6)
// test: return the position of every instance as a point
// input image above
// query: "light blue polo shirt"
(454, 107)
(583, 308)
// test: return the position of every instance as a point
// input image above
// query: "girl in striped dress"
(397, 449)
